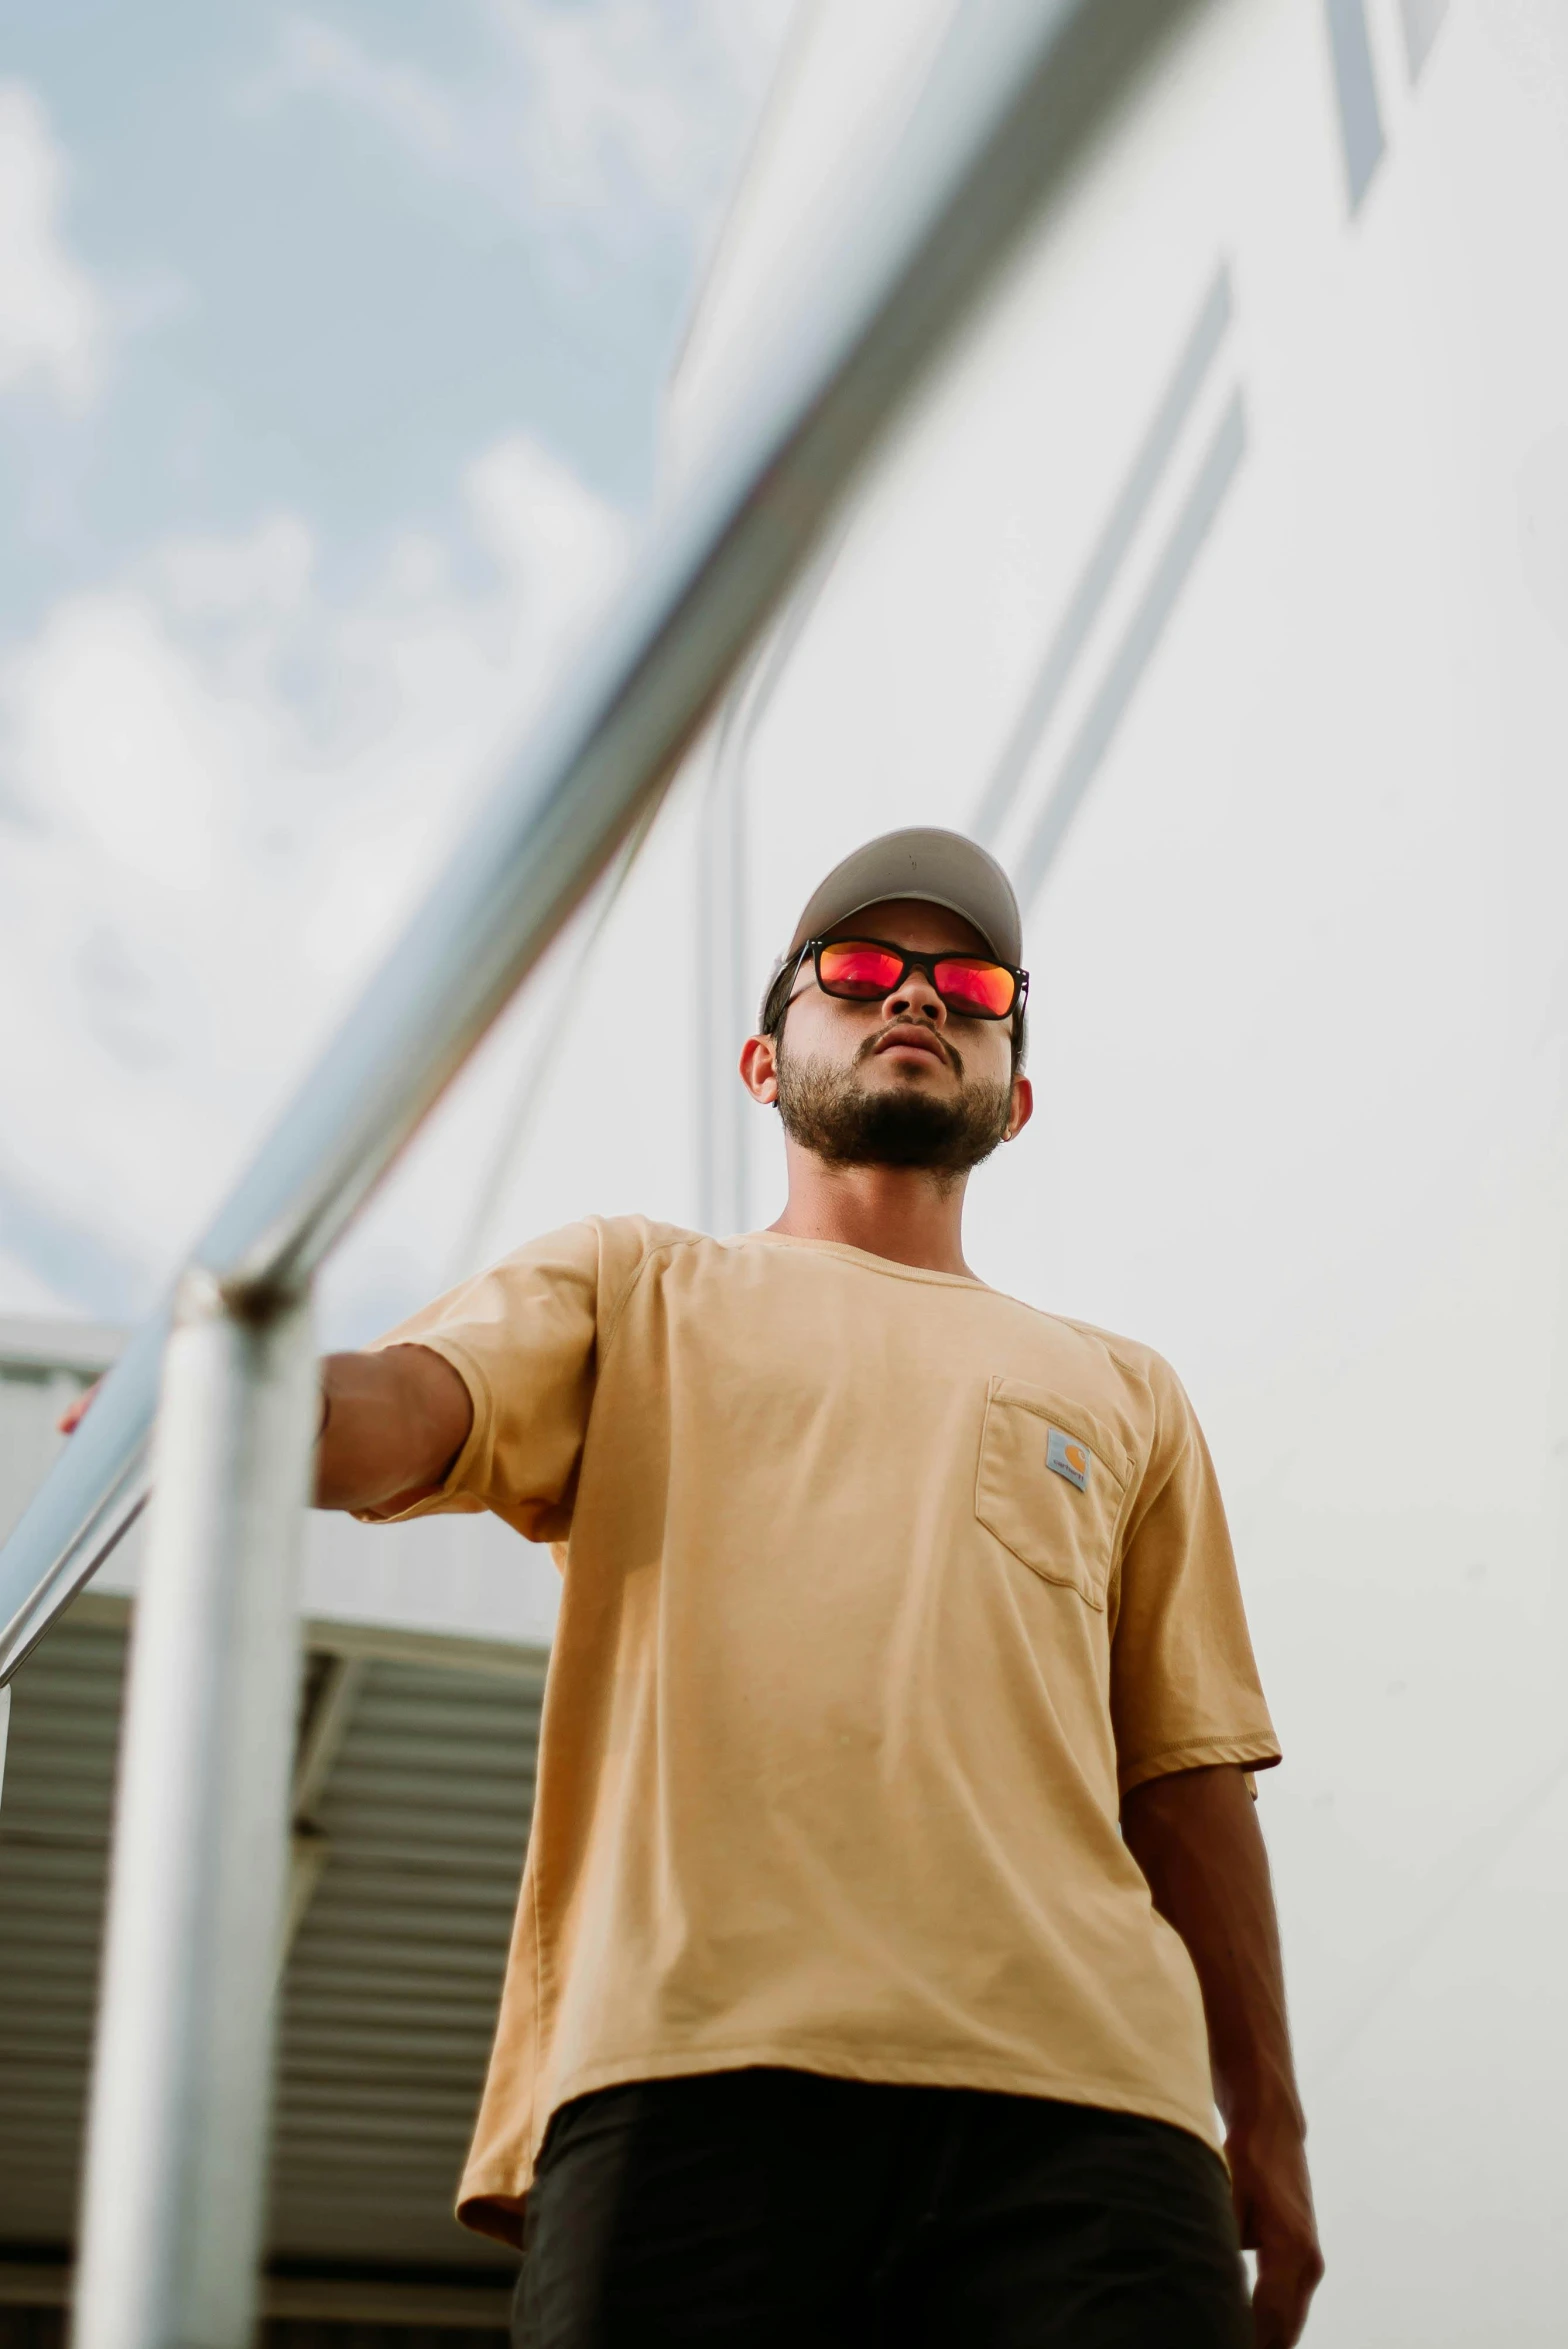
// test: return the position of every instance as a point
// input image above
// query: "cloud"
(316, 59)
(619, 114)
(52, 316)
(225, 774)
(220, 788)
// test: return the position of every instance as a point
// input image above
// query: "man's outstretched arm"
(393, 1423)
(391, 1426)
(1196, 1837)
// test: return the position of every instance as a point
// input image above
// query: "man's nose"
(915, 998)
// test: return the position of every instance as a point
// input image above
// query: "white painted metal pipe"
(177, 2137)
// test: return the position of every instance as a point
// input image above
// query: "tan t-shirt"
(880, 1589)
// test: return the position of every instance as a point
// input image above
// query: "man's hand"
(391, 1426)
(1195, 1836)
(1273, 2197)
(72, 1416)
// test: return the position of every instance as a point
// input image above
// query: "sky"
(332, 347)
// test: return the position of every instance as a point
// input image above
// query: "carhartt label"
(1068, 1457)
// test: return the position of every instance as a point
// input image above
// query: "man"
(894, 1841)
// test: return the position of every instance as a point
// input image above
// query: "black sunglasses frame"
(784, 986)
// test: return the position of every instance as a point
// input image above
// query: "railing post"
(178, 2137)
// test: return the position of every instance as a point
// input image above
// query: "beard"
(829, 1111)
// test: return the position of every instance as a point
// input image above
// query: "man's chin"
(890, 1115)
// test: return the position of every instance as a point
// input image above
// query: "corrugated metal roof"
(390, 1993)
(391, 1990)
(54, 1833)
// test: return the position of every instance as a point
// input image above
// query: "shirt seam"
(653, 1249)
(1260, 1751)
(503, 2179)
(841, 1251)
(1069, 2087)
(868, 1260)
(1192, 1745)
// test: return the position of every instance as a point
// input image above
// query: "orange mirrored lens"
(861, 968)
(983, 987)
(854, 969)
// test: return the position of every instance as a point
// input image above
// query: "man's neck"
(900, 1212)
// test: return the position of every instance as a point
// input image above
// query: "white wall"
(1301, 994)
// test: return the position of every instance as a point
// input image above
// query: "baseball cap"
(924, 861)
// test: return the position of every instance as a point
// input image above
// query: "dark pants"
(765, 2207)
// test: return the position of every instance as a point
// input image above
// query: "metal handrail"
(1017, 90)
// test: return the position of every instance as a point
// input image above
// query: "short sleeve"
(1185, 1692)
(523, 1337)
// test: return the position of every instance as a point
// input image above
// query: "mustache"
(873, 1044)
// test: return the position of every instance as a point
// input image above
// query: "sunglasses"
(866, 970)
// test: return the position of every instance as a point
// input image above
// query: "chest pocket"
(1051, 1483)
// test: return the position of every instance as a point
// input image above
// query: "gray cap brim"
(943, 868)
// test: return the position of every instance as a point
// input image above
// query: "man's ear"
(759, 1068)
(1022, 1109)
